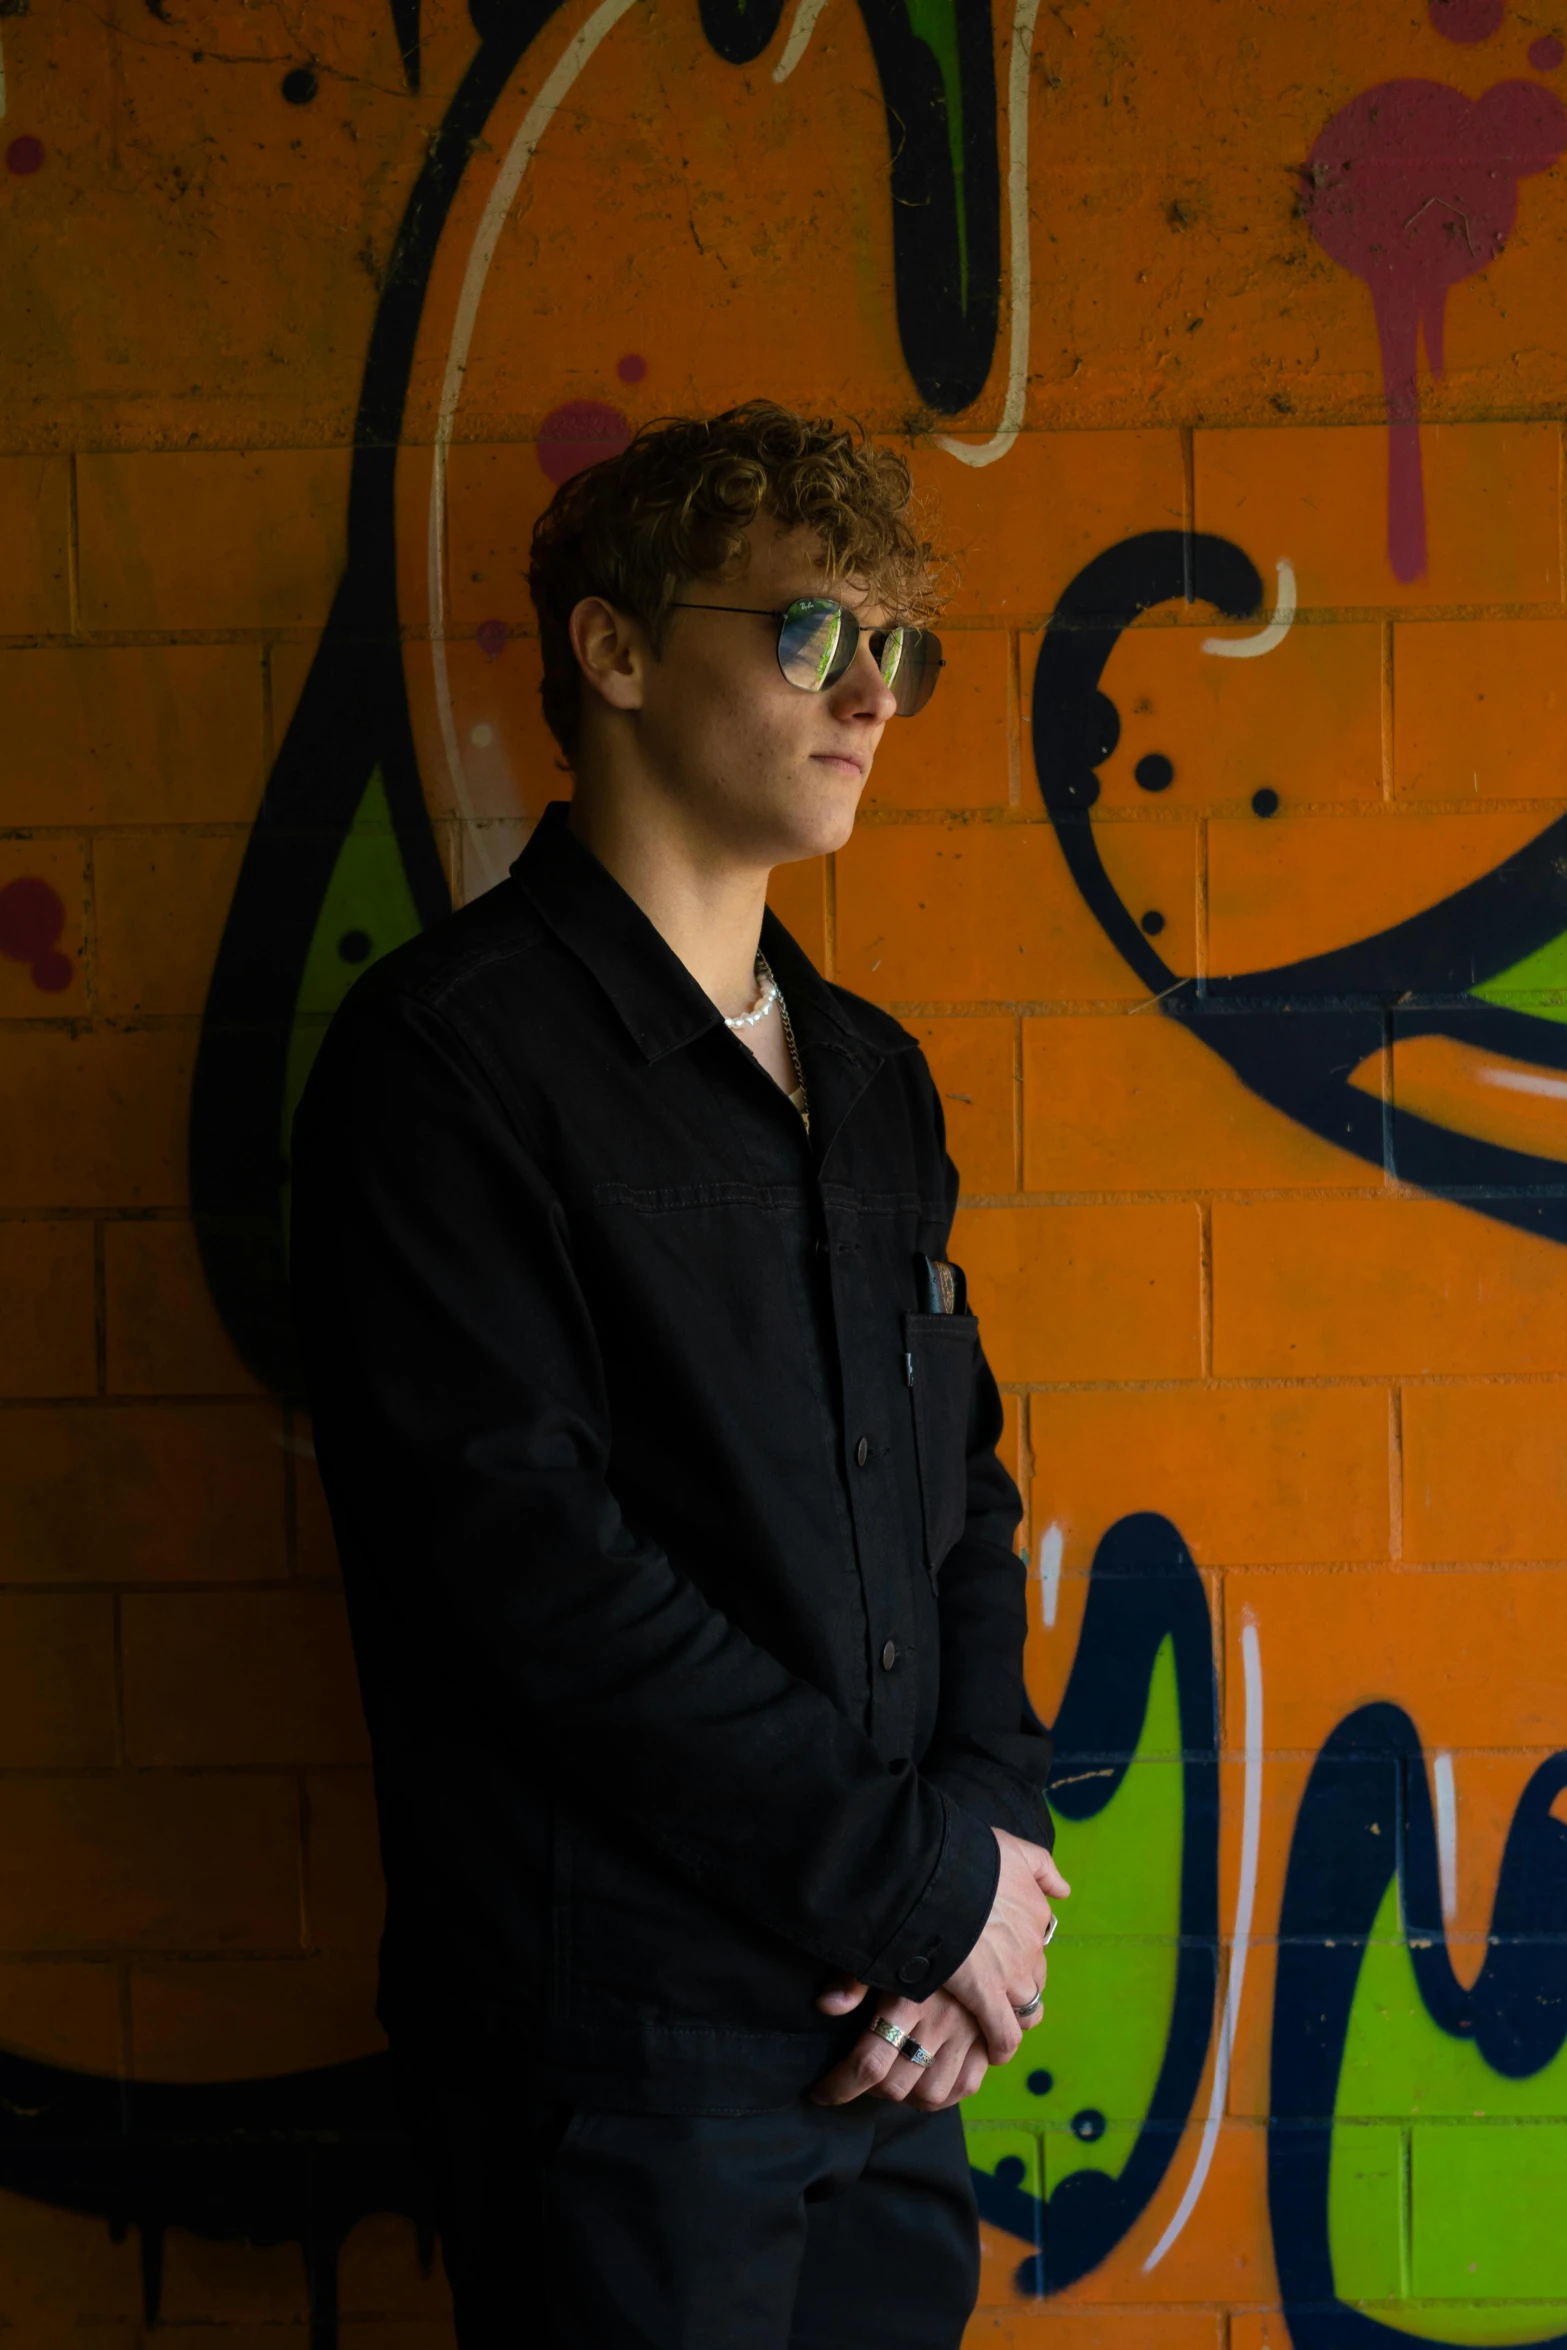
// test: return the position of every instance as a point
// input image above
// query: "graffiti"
(1134, 1789)
(32, 916)
(1414, 188)
(1460, 992)
(342, 863)
(1377, 2041)
(298, 2158)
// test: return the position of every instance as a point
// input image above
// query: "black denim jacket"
(676, 1546)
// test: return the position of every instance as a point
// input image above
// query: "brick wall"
(1240, 977)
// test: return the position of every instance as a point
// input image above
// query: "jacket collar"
(660, 1004)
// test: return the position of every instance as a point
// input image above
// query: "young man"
(661, 1455)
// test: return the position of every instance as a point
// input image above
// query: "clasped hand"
(973, 2021)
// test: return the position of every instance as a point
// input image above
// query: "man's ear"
(612, 652)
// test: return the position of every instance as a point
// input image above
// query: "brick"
(1046, 2326)
(162, 902)
(1293, 887)
(227, 2281)
(59, 2267)
(1216, 721)
(149, 1861)
(1359, 1287)
(101, 1118)
(149, 524)
(972, 1064)
(233, 2019)
(378, 2272)
(1319, 496)
(958, 752)
(240, 1677)
(143, 1493)
(47, 1309)
(1462, 2174)
(164, 1335)
(35, 503)
(130, 734)
(1222, 2254)
(510, 761)
(1094, 487)
(1471, 1657)
(1455, 1505)
(44, 958)
(1084, 1293)
(345, 1895)
(1479, 709)
(1251, 1477)
(1138, 1102)
(987, 913)
(1259, 2329)
(56, 1681)
(495, 491)
(59, 2011)
(798, 896)
(1463, 1084)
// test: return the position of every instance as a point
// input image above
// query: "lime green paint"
(935, 22)
(368, 891)
(1538, 984)
(1490, 2328)
(1490, 2210)
(1366, 2212)
(1111, 1991)
(992, 2143)
(1487, 2163)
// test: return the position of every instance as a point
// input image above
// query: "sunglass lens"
(917, 671)
(809, 641)
(889, 647)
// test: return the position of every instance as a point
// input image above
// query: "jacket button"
(889, 1656)
(862, 1451)
(914, 1970)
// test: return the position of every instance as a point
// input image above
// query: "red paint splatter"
(632, 368)
(1466, 20)
(579, 434)
(492, 635)
(1413, 188)
(24, 155)
(1546, 54)
(32, 916)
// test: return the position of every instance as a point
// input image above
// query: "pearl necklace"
(764, 1002)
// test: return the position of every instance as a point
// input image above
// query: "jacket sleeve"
(990, 1752)
(463, 1435)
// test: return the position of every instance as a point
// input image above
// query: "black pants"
(845, 2228)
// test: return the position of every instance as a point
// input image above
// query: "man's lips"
(841, 759)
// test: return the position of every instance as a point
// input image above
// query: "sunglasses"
(818, 638)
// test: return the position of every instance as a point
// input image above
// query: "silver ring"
(915, 2053)
(1038, 2000)
(1050, 1933)
(893, 2034)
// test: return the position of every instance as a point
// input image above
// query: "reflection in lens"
(890, 653)
(808, 642)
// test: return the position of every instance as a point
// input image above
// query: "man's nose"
(862, 691)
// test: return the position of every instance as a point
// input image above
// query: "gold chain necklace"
(800, 1098)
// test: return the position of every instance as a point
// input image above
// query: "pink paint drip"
(1414, 187)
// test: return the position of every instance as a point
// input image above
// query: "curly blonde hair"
(675, 505)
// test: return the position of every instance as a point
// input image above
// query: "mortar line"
(73, 582)
(1389, 713)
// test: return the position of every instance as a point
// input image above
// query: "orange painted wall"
(1335, 1365)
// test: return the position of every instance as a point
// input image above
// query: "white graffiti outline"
(1266, 640)
(799, 40)
(986, 452)
(482, 252)
(1245, 1903)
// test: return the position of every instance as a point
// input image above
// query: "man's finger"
(1046, 1875)
(842, 1997)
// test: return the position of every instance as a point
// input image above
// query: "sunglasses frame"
(931, 662)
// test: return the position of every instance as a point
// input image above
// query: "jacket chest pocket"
(941, 1378)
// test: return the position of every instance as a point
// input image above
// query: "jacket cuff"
(949, 1917)
(999, 1799)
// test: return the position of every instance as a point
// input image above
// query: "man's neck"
(706, 907)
